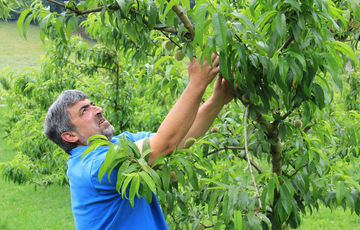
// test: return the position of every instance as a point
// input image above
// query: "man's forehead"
(75, 107)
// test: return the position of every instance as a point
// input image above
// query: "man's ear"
(71, 137)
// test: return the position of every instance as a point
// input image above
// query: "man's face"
(89, 121)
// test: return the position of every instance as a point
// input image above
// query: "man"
(72, 119)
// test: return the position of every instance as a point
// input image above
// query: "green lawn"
(17, 53)
(29, 207)
(327, 219)
(24, 207)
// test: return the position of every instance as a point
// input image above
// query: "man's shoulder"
(133, 136)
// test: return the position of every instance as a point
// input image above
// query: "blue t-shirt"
(100, 206)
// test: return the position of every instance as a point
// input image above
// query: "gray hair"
(57, 120)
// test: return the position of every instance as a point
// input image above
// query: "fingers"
(215, 63)
(218, 82)
(215, 71)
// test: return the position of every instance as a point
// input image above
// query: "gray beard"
(108, 132)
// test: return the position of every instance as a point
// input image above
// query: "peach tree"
(279, 150)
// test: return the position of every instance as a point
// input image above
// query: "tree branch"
(225, 148)
(82, 12)
(248, 158)
(258, 169)
(99, 9)
(184, 18)
(294, 173)
(287, 43)
(170, 39)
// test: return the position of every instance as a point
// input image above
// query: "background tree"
(285, 62)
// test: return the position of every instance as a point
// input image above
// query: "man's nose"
(98, 109)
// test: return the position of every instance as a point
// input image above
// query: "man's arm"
(207, 113)
(181, 117)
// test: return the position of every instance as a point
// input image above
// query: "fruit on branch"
(179, 55)
(168, 45)
(298, 124)
(242, 154)
(173, 176)
(215, 129)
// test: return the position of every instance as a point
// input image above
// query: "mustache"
(100, 119)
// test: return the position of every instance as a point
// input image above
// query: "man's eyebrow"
(84, 107)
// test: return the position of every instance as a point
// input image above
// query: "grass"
(25, 208)
(30, 207)
(327, 219)
(16, 52)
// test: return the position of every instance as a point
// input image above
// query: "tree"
(284, 60)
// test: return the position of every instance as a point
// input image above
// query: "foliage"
(284, 60)
(352, 95)
(134, 175)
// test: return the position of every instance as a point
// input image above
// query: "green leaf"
(340, 192)
(294, 4)
(69, 28)
(213, 198)
(253, 221)
(95, 144)
(224, 68)
(120, 176)
(134, 189)
(333, 67)
(106, 164)
(319, 96)
(129, 177)
(244, 20)
(199, 23)
(42, 36)
(153, 13)
(220, 30)
(283, 68)
(166, 177)
(238, 221)
(345, 49)
(280, 25)
(26, 25)
(116, 160)
(146, 191)
(133, 147)
(187, 165)
(95, 137)
(270, 191)
(58, 25)
(145, 148)
(156, 177)
(296, 70)
(158, 63)
(169, 6)
(148, 180)
(299, 57)
(21, 19)
(264, 18)
(158, 160)
(122, 5)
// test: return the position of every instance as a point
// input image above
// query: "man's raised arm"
(181, 117)
(222, 94)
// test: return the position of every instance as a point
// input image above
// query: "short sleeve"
(105, 183)
(137, 136)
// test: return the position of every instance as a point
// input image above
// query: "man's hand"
(201, 77)
(223, 92)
